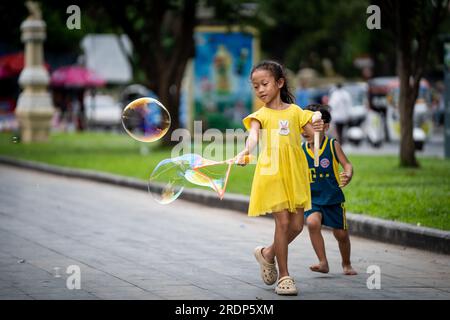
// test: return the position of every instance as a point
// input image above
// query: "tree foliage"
(306, 32)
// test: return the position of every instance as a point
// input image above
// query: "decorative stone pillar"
(34, 109)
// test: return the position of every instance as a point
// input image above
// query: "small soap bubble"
(146, 119)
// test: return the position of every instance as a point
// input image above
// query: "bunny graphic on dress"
(284, 127)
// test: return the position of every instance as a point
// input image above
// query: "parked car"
(102, 111)
(422, 116)
(383, 98)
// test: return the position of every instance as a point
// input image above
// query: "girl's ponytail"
(285, 95)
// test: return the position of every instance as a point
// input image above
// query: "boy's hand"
(345, 178)
(318, 125)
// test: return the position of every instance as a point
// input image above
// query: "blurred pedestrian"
(302, 98)
(341, 104)
(438, 104)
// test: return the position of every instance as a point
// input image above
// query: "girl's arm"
(347, 174)
(251, 143)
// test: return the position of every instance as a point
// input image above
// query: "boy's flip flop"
(286, 286)
(269, 273)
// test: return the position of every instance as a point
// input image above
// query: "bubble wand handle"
(317, 116)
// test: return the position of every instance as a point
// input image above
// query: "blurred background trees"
(327, 35)
(413, 26)
(298, 33)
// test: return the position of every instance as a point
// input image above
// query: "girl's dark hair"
(277, 70)
(324, 110)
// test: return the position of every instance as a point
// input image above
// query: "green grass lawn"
(379, 187)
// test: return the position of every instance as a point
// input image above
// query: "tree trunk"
(408, 92)
(406, 104)
(169, 94)
(163, 64)
(172, 70)
(406, 108)
(413, 23)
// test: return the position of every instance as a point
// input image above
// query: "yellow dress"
(281, 180)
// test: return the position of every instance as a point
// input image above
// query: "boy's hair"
(277, 70)
(324, 110)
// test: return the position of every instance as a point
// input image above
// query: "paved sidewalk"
(128, 247)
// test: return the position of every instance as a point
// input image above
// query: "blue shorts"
(333, 216)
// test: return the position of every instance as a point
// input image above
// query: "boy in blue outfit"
(327, 197)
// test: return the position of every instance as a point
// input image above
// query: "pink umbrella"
(75, 76)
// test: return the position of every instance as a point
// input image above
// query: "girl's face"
(265, 86)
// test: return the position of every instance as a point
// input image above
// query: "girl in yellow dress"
(281, 183)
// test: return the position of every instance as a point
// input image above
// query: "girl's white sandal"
(269, 273)
(286, 286)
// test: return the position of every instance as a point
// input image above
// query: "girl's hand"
(242, 158)
(345, 178)
(318, 125)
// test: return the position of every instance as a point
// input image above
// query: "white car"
(102, 111)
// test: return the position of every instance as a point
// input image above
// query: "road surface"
(128, 247)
